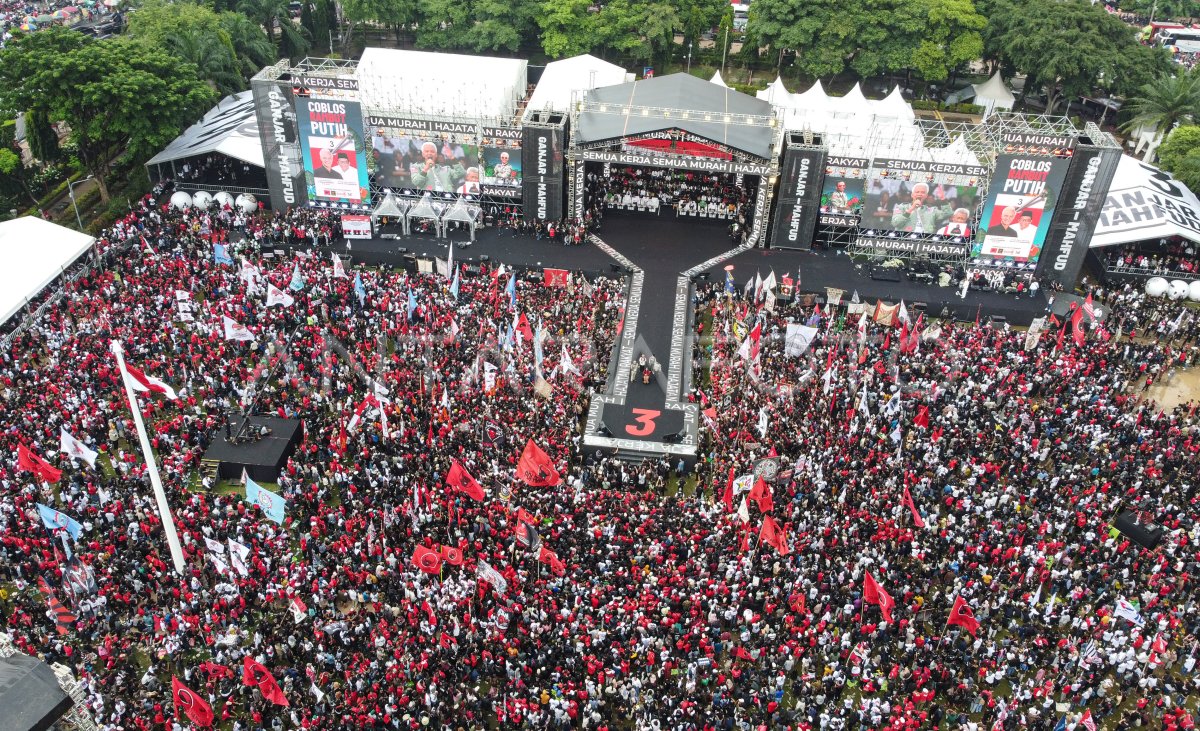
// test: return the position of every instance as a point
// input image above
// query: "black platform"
(263, 459)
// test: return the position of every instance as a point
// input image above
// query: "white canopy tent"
(441, 84)
(391, 207)
(230, 128)
(562, 79)
(426, 209)
(1144, 202)
(463, 212)
(992, 95)
(716, 79)
(854, 126)
(34, 252)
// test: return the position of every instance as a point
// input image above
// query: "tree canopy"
(1046, 41)
(1180, 155)
(117, 95)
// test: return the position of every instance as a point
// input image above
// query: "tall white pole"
(164, 510)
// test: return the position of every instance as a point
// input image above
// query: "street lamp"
(71, 193)
(689, 66)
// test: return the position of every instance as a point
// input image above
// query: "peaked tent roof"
(716, 79)
(230, 128)
(1138, 206)
(28, 269)
(390, 206)
(578, 73)
(462, 211)
(995, 91)
(424, 208)
(710, 111)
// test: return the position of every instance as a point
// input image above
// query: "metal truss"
(322, 66)
(632, 110)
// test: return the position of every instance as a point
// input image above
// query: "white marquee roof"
(1144, 202)
(855, 126)
(562, 79)
(230, 128)
(34, 252)
(420, 83)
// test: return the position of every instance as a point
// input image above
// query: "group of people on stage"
(891, 523)
(688, 192)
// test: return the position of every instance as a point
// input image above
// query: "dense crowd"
(920, 465)
(1175, 256)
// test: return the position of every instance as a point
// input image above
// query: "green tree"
(952, 36)
(249, 41)
(505, 25)
(266, 13)
(1044, 39)
(567, 27)
(396, 14)
(1166, 102)
(42, 137)
(1182, 142)
(206, 50)
(445, 24)
(118, 95)
(15, 173)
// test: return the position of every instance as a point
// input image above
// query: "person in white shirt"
(348, 172)
(470, 185)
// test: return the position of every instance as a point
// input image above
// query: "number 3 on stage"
(645, 417)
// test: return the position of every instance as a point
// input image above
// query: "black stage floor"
(262, 459)
(820, 269)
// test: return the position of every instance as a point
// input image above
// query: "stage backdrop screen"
(501, 170)
(1020, 204)
(439, 164)
(334, 151)
(932, 205)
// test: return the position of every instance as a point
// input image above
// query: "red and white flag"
(299, 609)
(141, 382)
(873, 593)
(1086, 719)
(339, 271)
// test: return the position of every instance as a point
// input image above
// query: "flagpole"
(164, 510)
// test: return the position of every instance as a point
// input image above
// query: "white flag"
(317, 692)
(236, 331)
(903, 312)
(443, 268)
(339, 271)
(276, 296)
(237, 556)
(1130, 611)
(76, 448)
(450, 262)
(219, 563)
(567, 365)
(214, 546)
(798, 338)
(743, 512)
(492, 576)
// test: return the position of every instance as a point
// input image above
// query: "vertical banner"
(1088, 180)
(541, 162)
(280, 143)
(799, 197)
(334, 150)
(1020, 205)
(579, 183)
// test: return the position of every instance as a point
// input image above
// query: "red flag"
(922, 417)
(727, 498)
(428, 561)
(1086, 719)
(546, 556)
(461, 480)
(30, 462)
(761, 494)
(524, 328)
(535, 468)
(1088, 307)
(962, 615)
(196, 708)
(452, 555)
(742, 653)
(903, 338)
(873, 593)
(772, 534)
(908, 503)
(1077, 327)
(254, 673)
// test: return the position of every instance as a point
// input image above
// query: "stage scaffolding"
(983, 141)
